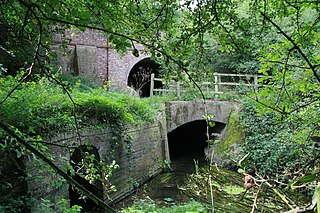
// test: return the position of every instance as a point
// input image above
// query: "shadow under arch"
(140, 76)
(97, 189)
(189, 140)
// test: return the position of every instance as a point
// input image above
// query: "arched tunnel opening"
(189, 140)
(80, 155)
(140, 76)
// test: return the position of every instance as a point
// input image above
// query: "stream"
(164, 188)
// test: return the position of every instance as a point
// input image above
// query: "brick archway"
(96, 188)
(140, 74)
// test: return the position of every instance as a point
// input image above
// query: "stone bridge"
(182, 112)
(180, 124)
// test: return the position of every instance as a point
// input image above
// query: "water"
(164, 189)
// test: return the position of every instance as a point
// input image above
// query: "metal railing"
(214, 87)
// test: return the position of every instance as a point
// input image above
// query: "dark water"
(164, 189)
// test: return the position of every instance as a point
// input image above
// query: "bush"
(278, 149)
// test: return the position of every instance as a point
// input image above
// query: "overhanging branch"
(295, 46)
(68, 178)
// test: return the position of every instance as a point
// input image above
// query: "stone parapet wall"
(181, 112)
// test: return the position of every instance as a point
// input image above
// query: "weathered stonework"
(149, 149)
(181, 112)
(89, 54)
(227, 151)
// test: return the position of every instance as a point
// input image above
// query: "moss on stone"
(234, 134)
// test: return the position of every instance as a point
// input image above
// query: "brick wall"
(108, 62)
(149, 146)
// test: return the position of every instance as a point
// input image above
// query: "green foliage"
(278, 149)
(61, 206)
(94, 171)
(41, 107)
(144, 206)
(14, 204)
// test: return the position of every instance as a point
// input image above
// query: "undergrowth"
(41, 106)
(281, 150)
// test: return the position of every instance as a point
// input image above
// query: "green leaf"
(241, 171)
(85, 15)
(243, 162)
(305, 179)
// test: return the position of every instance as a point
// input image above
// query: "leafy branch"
(295, 46)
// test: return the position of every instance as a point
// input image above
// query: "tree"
(278, 38)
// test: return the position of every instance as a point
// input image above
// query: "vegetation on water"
(226, 190)
(191, 40)
(149, 206)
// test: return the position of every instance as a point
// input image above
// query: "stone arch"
(181, 112)
(189, 140)
(97, 189)
(140, 74)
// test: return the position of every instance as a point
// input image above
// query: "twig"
(254, 205)
(295, 46)
(211, 193)
(282, 196)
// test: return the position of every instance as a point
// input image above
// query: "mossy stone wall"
(228, 150)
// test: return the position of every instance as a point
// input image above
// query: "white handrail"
(217, 83)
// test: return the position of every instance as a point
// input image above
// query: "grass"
(41, 107)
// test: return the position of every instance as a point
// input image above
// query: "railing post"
(151, 84)
(178, 89)
(216, 85)
(219, 81)
(255, 79)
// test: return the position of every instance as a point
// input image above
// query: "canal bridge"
(180, 129)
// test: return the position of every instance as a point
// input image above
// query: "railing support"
(151, 84)
(178, 89)
(216, 83)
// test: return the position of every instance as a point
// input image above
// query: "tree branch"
(68, 178)
(295, 46)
